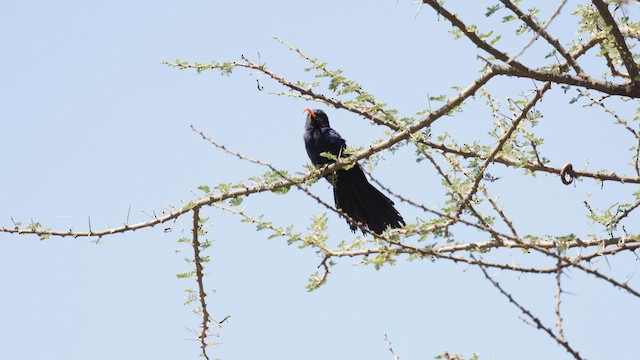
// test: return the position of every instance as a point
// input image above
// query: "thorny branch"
(541, 31)
(450, 161)
(507, 136)
(470, 33)
(558, 301)
(625, 53)
(442, 252)
(538, 323)
(393, 353)
(206, 319)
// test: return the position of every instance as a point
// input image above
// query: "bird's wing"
(334, 141)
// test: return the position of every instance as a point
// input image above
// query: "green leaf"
(205, 189)
(492, 10)
(236, 201)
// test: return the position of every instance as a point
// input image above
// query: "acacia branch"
(541, 31)
(608, 110)
(452, 219)
(606, 87)
(507, 135)
(623, 49)
(630, 33)
(533, 167)
(280, 173)
(471, 35)
(529, 314)
(204, 327)
(339, 164)
(558, 301)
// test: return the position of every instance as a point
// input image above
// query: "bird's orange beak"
(310, 112)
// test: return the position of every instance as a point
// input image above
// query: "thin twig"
(204, 327)
(541, 30)
(558, 301)
(530, 316)
(471, 35)
(386, 339)
(623, 49)
(514, 126)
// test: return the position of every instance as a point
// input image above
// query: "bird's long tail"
(362, 202)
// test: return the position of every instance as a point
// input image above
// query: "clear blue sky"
(91, 124)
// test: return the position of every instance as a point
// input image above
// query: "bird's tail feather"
(363, 203)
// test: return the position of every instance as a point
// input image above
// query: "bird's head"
(318, 117)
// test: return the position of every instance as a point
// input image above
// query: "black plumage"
(352, 193)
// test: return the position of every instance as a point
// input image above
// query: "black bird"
(351, 191)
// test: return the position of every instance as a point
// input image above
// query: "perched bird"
(352, 193)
